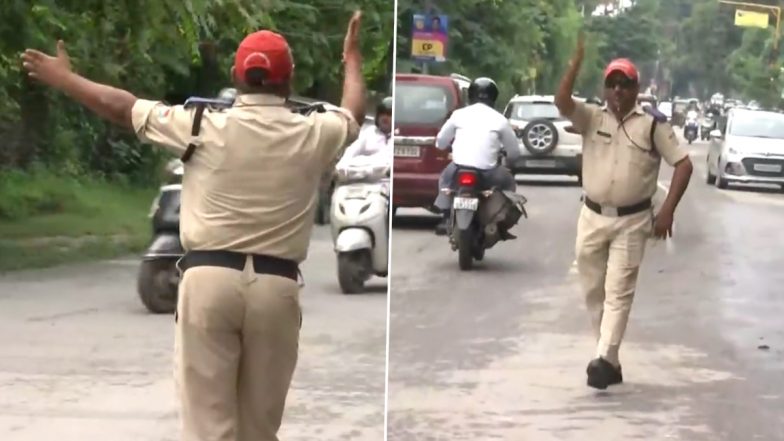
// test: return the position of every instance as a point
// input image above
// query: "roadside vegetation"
(692, 48)
(73, 187)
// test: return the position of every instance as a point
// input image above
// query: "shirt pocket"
(641, 156)
(598, 141)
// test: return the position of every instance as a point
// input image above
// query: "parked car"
(666, 108)
(546, 146)
(748, 149)
(423, 103)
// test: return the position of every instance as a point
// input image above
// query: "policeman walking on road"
(622, 150)
(249, 191)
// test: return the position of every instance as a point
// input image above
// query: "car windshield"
(531, 111)
(758, 125)
(421, 103)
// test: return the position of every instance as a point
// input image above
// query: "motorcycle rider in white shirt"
(477, 134)
(373, 146)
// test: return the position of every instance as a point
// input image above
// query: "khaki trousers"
(236, 344)
(609, 253)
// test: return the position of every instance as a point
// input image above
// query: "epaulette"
(656, 114)
(318, 107)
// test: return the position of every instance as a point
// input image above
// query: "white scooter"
(359, 220)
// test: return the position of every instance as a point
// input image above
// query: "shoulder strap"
(195, 129)
(653, 132)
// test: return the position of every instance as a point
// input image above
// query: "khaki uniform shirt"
(620, 166)
(251, 185)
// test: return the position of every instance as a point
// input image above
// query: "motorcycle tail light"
(467, 179)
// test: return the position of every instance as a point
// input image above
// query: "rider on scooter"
(477, 134)
(372, 147)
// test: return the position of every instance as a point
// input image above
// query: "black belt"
(231, 259)
(619, 211)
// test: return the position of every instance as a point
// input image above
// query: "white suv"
(546, 147)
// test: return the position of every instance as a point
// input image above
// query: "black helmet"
(483, 90)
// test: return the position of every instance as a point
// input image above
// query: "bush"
(35, 192)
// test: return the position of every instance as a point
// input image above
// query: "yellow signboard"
(426, 48)
(751, 19)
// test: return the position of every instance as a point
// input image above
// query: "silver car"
(547, 146)
(750, 149)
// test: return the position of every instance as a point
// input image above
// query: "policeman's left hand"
(50, 70)
(351, 49)
(662, 225)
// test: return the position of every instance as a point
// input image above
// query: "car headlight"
(732, 151)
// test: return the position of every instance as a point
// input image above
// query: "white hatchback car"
(750, 150)
(546, 147)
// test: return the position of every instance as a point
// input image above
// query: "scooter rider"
(477, 134)
(372, 147)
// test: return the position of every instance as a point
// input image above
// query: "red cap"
(623, 65)
(266, 50)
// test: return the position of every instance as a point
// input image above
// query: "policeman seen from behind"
(477, 134)
(249, 191)
(622, 150)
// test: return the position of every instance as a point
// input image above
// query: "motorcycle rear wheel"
(465, 249)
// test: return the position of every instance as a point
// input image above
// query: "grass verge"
(47, 220)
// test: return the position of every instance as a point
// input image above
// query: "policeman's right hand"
(50, 70)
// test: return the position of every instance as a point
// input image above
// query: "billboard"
(751, 19)
(429, 37)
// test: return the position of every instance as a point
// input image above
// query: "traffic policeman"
(249, 191)
(622, 150)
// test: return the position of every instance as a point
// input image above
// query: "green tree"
(160, 49)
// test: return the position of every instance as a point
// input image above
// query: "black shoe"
(601, 373)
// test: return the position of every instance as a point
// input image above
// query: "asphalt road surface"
(80, 358)
(499, 353)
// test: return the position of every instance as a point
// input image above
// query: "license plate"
(407, 151)
(768, 168)
(543, 163)
(466, 204)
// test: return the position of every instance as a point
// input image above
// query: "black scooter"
(159, 277)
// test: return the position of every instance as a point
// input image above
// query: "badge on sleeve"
(164, 114)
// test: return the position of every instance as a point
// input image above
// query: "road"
(80, 359)
(500, 353)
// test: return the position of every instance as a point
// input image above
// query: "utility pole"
(428, 9)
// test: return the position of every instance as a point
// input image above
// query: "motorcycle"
(359, 220)
(707, 126)
(158, 276)
(478, 214)
(690, 129)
